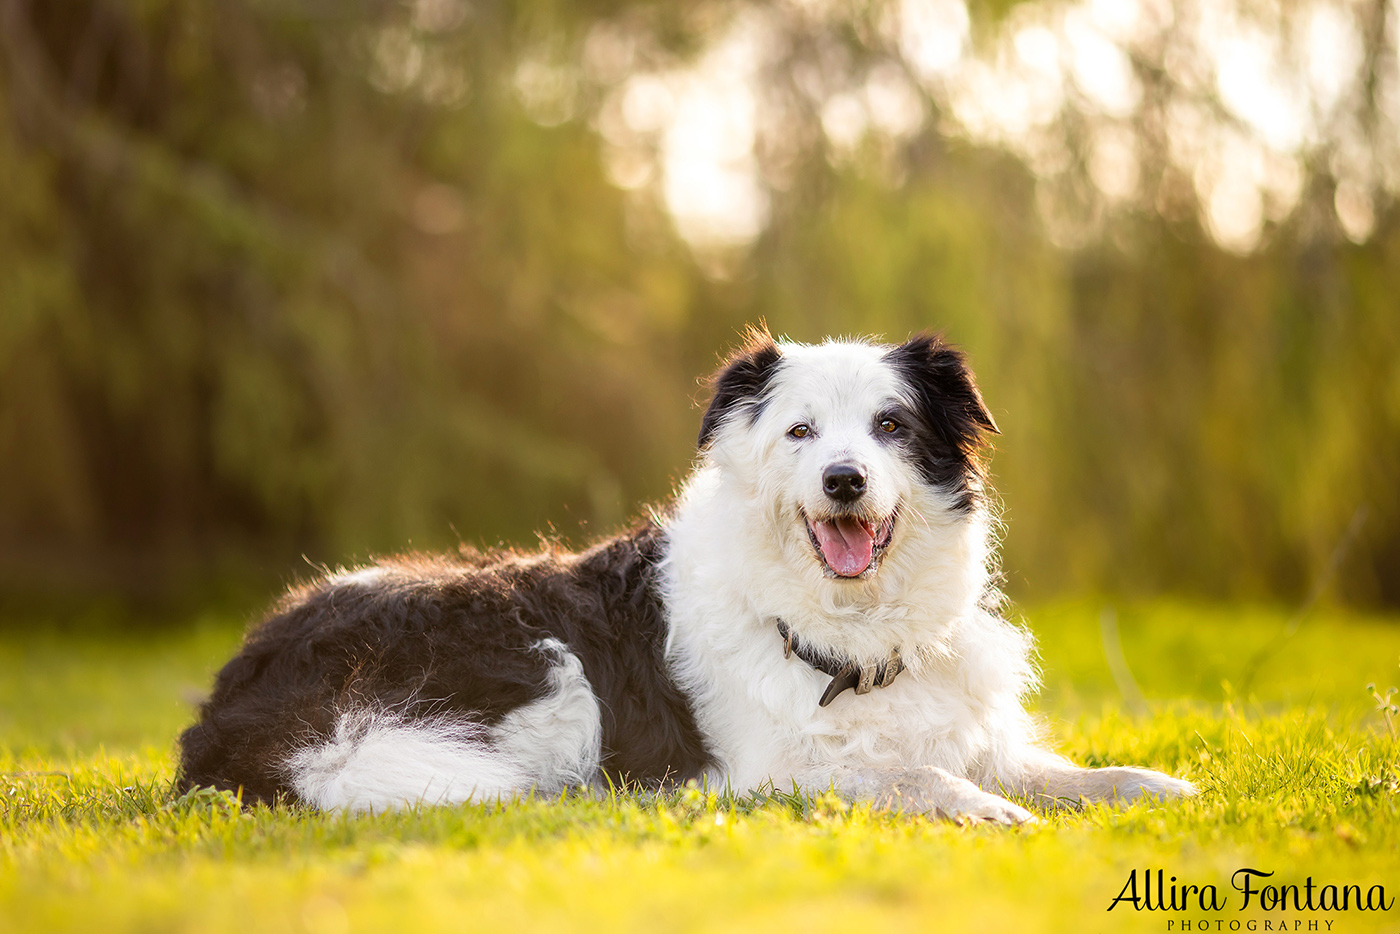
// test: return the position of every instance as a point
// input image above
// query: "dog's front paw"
(988, 807)
(935, 792)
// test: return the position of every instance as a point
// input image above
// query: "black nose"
(844, 482)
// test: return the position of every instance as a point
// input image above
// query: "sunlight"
(1248, 94)
(1113, 162)
(1252, 87)
(1101, 68)
(1280, 84)
(1334, 54)
(711, 182)
(691, 132)
(932, 35)
(1234, 213)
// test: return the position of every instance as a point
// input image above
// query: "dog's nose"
(844, 482)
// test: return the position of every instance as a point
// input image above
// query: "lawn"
(1299, 771)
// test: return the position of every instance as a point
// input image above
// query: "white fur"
(952, 729)
(377, 760)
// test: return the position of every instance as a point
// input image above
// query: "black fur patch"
(741, 383)
(950, 418)
(438, 636)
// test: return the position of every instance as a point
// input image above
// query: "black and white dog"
(815, 609)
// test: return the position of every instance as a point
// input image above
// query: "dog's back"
(425, 679)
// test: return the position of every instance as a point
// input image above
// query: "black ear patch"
(741, 383)
(953, 421)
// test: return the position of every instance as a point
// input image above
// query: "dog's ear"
(741, 382)
(945, 393)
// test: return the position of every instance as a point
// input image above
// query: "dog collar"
(844, 673)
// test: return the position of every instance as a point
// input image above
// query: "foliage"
(329, 279)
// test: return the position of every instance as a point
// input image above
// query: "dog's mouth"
(850, 546)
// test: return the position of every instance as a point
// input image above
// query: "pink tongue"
(847, 544)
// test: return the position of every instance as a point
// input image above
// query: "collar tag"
(844, 673)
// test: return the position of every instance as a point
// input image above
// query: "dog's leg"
(1053, 781)
(933, 791)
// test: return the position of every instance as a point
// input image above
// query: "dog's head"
(846, 442)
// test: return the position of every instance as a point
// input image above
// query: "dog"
(816, 609)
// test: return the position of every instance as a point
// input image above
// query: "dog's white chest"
(760, 713)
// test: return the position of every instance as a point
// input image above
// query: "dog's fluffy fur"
(838, 489)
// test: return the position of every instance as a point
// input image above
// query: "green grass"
(1299, 775)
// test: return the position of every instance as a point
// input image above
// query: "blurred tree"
(337, 277)
(259, 294)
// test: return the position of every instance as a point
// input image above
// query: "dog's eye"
(799, 431)
(889, 425)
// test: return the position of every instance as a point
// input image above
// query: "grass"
(1300, 775)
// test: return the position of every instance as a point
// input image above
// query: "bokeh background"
(287, 283)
